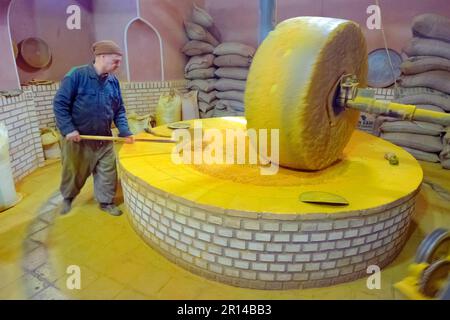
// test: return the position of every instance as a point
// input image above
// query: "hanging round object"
(434, 278)
(35, 52)
(380, 71)
(15, 49)
(435, 246)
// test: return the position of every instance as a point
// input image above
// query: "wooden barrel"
(35, 52)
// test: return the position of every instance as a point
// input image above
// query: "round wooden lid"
(16, 49)
(35, 52)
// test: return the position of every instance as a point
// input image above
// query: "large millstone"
(292, 84)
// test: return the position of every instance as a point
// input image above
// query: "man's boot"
(66, 206)
(111, 208)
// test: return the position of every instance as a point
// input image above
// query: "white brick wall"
(142, 97)
(139, 97)
(269, 252)
(25, 149)
(25, 114)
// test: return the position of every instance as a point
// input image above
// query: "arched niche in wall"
(9, 78)
(144, 52)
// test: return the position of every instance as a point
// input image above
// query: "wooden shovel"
(121, 139)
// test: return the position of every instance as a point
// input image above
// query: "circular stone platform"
(230, 224)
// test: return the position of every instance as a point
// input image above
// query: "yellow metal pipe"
(397, 110)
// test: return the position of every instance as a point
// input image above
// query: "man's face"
(111, 62)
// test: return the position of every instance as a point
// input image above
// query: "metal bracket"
(348, 89)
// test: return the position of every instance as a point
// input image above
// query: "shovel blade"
(325, 198)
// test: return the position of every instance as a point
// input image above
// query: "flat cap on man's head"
(106, 47)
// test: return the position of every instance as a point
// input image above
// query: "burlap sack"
(189, 105)
(208, 114)
(194, 31)
(204, 107)
(230, 105)
(234, 48)
(378, 122)
(211, 39)
(201, 85)
(232, 60)
(415, 141)
(215, 32)
(231, 95)
(440, 100)
(445, 157)
(418, 127)
(197, 32)
(224, 84)
(200, 74)
(232, 73)
(199, 62)
(201, 17)
(436, 79)
(403, 92)
(422, 155)
(207, 96)
(195, 48)
(168, 109)
(432, 26)
(429, 107)
(220, 106)
(445, 163)
(415, 65)
(224, 113)
(428, 47)
(446, 138)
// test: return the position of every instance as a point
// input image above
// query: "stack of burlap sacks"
(425, 82)
(233, 62)
(217, 71)
(200, 70)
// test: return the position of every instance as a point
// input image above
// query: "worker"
(87, 102)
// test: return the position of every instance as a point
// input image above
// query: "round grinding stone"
(292, 83)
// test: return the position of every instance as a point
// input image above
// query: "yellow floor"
(116, 264)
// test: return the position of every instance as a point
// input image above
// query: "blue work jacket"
(89, 103)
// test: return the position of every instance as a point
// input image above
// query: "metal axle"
(350, 96)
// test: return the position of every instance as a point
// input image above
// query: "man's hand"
(73, 136)
(129, 139)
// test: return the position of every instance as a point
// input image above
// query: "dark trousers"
(80, 160)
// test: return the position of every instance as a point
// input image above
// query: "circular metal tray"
(380, 74)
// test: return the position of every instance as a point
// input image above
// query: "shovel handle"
(122, 139)
(102, 138)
